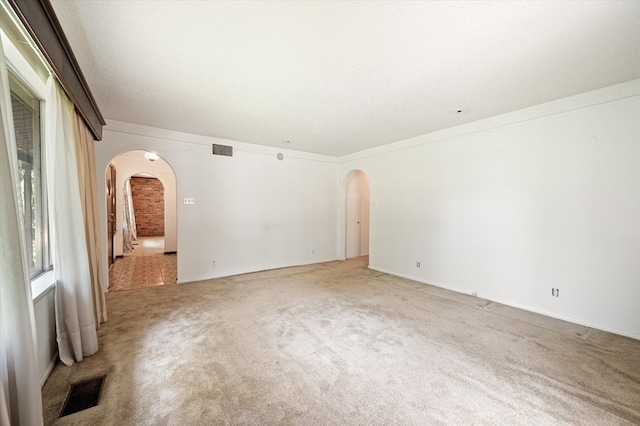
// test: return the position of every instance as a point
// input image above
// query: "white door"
(354, 208)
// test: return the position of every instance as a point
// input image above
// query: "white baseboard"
(579, 321)
(47, 372)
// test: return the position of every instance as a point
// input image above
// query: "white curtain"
(74, 309)
(129, 232)
(20, 397)
(4, 409)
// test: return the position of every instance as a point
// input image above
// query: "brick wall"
(148, 206)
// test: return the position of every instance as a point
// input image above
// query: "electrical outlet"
(213, 263)
(417, 264)
(555, 292)
(189, 201)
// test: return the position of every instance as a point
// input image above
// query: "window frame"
(35, 104)
(30, 77)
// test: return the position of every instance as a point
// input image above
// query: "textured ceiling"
(339, 77)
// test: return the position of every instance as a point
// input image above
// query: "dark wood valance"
(42, 24)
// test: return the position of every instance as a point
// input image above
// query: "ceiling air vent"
(225, 150)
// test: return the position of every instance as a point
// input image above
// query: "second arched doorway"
(356, 202)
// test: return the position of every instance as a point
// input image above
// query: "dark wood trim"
(42, 24)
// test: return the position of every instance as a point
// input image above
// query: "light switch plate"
(189, 201)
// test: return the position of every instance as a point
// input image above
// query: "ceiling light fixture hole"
(151, 156)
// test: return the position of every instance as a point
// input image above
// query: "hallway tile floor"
(145, 266)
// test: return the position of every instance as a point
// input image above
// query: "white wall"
(46, 345)
(508, 207)
(251, 211)
(516, 205)
(131, 163)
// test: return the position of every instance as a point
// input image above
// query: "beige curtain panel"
(89, 199)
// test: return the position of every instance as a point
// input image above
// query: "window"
(26, 118)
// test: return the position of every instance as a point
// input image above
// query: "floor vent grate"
(83, 395)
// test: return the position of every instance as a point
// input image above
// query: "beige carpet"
(339, 344)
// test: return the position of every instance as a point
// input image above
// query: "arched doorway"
(144, 211)
(356, 202)
(152, 171)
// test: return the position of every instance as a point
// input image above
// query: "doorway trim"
(110, 202)
(131, 162)
(356, 190)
